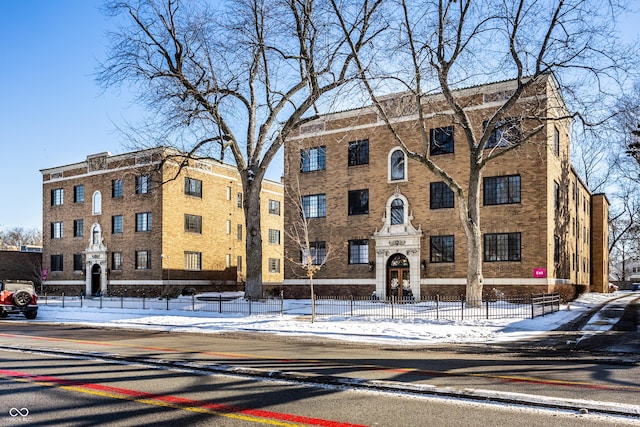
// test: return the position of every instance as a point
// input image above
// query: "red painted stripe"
(181, 401)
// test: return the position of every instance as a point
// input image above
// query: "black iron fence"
(212, 304)
(438, 307)
(435, 307)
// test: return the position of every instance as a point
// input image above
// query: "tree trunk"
(471, 226)
(253, 285)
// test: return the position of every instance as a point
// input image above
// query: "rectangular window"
(228, 226)
(274, 236)
(192, 223)
(117, 188)
(117, 224)
(239, 198)
(501, 190)
(442, 249)
(228, 260)
(359, 251)
(143, 184)
(313, 159)
(116, 260)
(314, 206)
(77, 262)
(274, 207)
(317, 252)
(192, 187)
(57, 230)
(78, 194)
(556, 249)
(274, 265)
(143, 260)
(239, 232)
(502, 247)
(358, 202)
(556, 195)
(506, 133)
(239, 263)
(57, 197)
(78, 228)
(228, 193)
(57, 262)
(359, 152)
(556, 141)
(441, 140)
(193, 261)
(440, 196)
(143, 221)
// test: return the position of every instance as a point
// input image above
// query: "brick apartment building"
(137, 224)
(395, 223)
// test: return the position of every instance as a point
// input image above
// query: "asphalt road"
(42, 390)
(66, 375)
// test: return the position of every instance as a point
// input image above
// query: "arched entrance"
(96, 273)
(398, 277)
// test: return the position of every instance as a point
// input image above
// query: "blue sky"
(52, 112)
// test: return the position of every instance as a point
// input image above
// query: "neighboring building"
(138, 224)
(21, 265)
(396, 226)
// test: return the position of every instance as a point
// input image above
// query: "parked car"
(635, 286)
(18, 296)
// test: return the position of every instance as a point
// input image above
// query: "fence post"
(486, 303)
(220, 303)
(461, 307)
(351, 308)
(63, 300)
(143, 302)
(121, 301)
(532, 308)
(101, 300)
(282, 303)
(81, 301)
(167, 302)
(193, 303)
(249, 306)
(438, 307)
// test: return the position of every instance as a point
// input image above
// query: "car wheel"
(21, 299)
(31, 314)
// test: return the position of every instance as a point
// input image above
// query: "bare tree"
(313, 254)
(18, 236)
(444, 45)
(448, 44)
(232, 80)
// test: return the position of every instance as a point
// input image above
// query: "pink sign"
(45, 273)
(539, 273)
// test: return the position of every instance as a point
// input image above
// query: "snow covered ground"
(296, 322)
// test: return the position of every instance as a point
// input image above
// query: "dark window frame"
(143, 184)
(78, 228)
(502, 190)
(144, 222)
(442, 141)
(57, 262)
(506, 133)
(441, 196)
(441, 249)
(358, 251)
(77, 262)
(313, 159)
(192, 223)
(192, 187)
(316, 201)
(114, 223)
(318, 251)
(57, 197)
(358, 202)
(116, 260)
(117, 188)
(358, 152)
(78, 193)
(143, 260)
(502, 247)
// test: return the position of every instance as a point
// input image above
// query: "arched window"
(397, 165)
(397, 212)
(97, 203)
